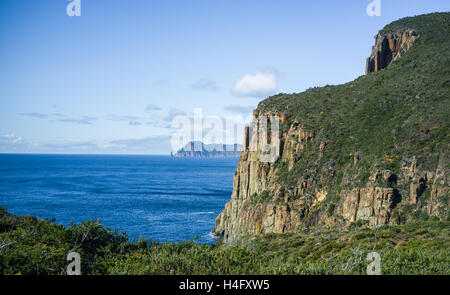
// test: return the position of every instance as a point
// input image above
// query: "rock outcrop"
(197, 149)
(260, 203)
(389, 47)
(373, 204)
(353, 154)
(248, 212)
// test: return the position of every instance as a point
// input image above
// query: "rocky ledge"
(389, 47)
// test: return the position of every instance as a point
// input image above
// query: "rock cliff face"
(260, 204)
(388, 48)
(311, 185)
(377, 205)
(252, 208)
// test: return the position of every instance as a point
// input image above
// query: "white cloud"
(173, 112)
(10, 140)
(86, 120)
(152, 107)
(17, 139)
(164, 121)
(34, 115)
(59, 117)
(114, 117)
(158, 144)
(259, 84)
(71, 145)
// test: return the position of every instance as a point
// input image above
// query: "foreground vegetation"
(32, 246)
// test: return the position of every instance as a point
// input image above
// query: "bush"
(33, 246)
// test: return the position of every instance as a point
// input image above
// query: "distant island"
(197, 149)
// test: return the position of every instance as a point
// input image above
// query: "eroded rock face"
(373, 204)
(245, 214)
(262, 204)
(320, 192)
(388, 48)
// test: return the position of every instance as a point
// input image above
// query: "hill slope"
(373, 151)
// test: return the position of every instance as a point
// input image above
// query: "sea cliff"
(373, 151)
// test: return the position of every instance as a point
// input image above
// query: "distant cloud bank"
(86, 120)
(34, 115)
(10, 138)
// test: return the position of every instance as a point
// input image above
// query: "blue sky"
(110, 80)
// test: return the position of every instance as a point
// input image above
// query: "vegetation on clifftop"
(387, 117)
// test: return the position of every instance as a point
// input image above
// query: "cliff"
(373, 151)
(197, 149)
(389, 47)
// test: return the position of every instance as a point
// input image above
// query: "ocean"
(160, 197)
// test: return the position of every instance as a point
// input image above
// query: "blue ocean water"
(160, 197)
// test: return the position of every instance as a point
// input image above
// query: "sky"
(112, 79)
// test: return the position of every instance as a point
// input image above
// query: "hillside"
(372, 151)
